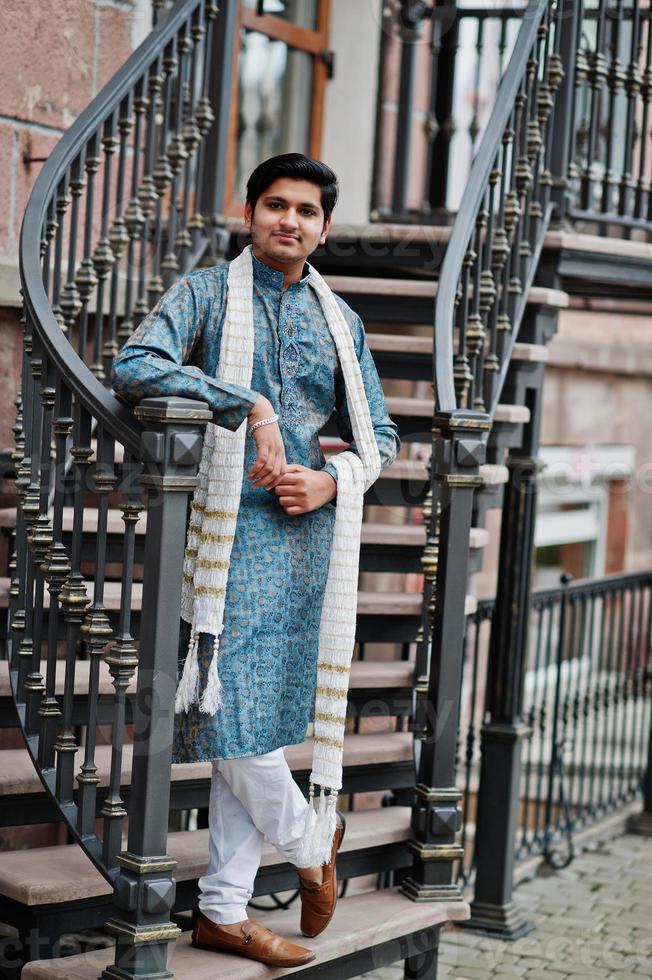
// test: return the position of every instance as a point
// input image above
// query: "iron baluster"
(86, 278)
(632, 84)
(144, 196)
(73, 600)
(70, 299)
(162, 173)
(642, 197)
(122, 659)
(134, 218)
(118, 235)
(544, 720)
(96, 631)
(596, 75)
(57, 571)
(177, 155)
(191, 138)
(40, 539)
(615, 85)
(585, 708)
(103, 256)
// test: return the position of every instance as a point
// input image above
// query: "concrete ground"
(592, 920)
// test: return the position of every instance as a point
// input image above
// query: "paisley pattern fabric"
(279, 563)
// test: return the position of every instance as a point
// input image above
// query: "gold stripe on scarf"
(326, 740)
(211, 590)
(217, 538)
(324, 716)
(211, 563)
(331, 692)
(225, 515)
(337, 668)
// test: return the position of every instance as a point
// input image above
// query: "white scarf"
(212, 527)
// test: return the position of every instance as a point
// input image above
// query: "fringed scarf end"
(211, 699)
(317, 844)
(188, 688)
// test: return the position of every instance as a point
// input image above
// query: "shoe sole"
(247, 956)
(312, 935)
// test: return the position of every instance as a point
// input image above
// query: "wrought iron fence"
(605, 164)
(610, 167)
(587, 704)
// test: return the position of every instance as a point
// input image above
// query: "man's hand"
(301, 489)
(270, 463)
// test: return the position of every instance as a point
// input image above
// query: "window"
(279, 86)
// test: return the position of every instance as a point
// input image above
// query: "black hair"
(296, 166)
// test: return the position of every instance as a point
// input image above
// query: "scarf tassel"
(188, 688)
(317, 843)
(211, 699)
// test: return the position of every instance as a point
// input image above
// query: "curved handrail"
(105, 407)
(475, 189)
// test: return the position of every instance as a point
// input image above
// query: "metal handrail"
(105, 407)
(445, 397)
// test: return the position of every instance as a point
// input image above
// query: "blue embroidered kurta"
(279, 563)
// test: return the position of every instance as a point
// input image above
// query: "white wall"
(350, 106)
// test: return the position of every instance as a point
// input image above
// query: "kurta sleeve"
(153, 362)
(385, 430)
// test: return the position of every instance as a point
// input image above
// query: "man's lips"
(280, 234)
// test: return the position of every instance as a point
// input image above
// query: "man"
(278, 556)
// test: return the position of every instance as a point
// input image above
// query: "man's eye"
(309, 212)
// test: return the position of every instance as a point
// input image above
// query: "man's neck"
(292, 272)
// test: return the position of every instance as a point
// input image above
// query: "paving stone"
(549, 975)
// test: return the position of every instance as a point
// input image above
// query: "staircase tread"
(45, 875)
(424, 289)
(18, 775)
(400, 469)
(402, 405)
(377, 603)
(413, 535)
(359, 922)
(364, 673)
(416, 344)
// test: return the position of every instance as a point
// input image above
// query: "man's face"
(288, 222)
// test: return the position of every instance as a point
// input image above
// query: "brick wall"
(56, 57)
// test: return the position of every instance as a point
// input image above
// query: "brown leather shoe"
(318, 901)
(256, 943)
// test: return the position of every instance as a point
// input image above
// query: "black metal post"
(441, 102)
(492, 909)
(459, 448)
(567, 21)
(144, 889)
(219, 48)
(411, 15)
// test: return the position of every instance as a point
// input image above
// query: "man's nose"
(289, 218)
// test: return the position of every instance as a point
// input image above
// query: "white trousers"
(251, 799)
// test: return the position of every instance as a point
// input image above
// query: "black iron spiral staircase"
(128, 201)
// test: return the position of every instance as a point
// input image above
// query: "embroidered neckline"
(264, 275)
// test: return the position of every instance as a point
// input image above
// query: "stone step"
(364, 674)
(393, 343)
(401, 535)
(374, 687)
(18, 777)
(369, 603)
(47, 875)
(423, 408)
(424, 289)
(360, 923)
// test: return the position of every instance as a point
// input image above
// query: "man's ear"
(325, 229)
(248, 212)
